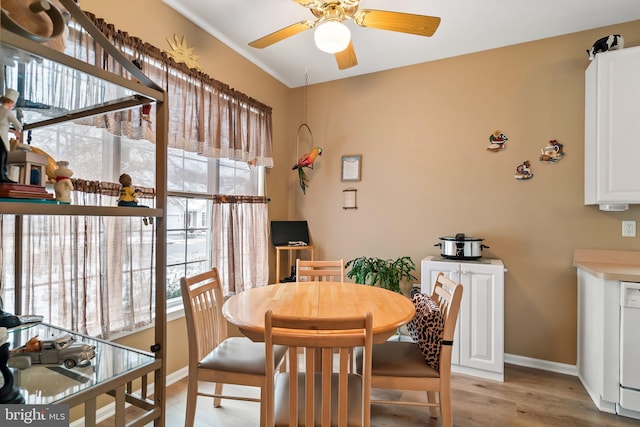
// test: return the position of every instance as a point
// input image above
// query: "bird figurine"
(306, 161)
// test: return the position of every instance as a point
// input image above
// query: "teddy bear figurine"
(63, 186)
(127, 192)
(129, 195)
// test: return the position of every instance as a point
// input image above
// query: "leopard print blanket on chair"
(426, 328)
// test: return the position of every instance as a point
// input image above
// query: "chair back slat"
(202, 299)
(319, 338)
(322, 271)
(448, 295)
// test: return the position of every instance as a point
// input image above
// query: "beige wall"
(422, 132)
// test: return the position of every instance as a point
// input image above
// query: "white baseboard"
(108, 411)
(545, 365)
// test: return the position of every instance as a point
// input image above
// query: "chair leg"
(432, 398)
(218, 390)
(263, 406)
(445, 406)
(192, 396)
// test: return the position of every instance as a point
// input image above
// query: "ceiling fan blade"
(346, 58)
(420, 25)
(282, 34)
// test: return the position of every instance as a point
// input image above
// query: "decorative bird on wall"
(306, 161)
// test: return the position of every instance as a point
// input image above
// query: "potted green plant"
(385, 273)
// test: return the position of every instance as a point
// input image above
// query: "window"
(95, 274)
(193, 182)
(188, 240)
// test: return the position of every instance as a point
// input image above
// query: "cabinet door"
(481, 321)
(431, 269)
(598, 359)
(612, 128)
(429, 272)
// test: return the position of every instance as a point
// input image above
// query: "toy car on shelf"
(56, 351)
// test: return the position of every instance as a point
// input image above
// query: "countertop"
(609, 264)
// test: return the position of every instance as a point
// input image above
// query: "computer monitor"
(284, 232)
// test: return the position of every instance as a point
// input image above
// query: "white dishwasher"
(629, 349)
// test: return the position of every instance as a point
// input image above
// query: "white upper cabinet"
(612, 129)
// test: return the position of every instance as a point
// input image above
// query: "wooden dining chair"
(324, 395)
(213, 356)
(404, 366)
(319, 270)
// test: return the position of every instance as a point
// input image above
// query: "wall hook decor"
(307, 160)
(182, 53)
(349, 198)
(523, 171)
(497, 141)
(552, 153)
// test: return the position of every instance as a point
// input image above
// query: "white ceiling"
(467, 26)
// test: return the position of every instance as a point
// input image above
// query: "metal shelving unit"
(122, 93)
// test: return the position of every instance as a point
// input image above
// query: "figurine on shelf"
(6, 118)
(63, 186)
(128, 195)
(610, 42)
(8, 392)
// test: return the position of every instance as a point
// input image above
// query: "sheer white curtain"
(91, 274)
(240, 242)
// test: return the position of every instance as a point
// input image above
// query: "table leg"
(289, 270)
(120, 399)
(90, 413)
(277, 265)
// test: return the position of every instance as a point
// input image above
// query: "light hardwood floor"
(528, 397)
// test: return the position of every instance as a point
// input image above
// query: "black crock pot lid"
(461, 237)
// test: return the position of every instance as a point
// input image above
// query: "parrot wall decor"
(306, 161)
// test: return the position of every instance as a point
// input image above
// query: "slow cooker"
(461, 246)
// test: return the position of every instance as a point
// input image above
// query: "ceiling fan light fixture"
(332, 37)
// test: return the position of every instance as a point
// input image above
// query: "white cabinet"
(607, 346)
(612, 129)
(598, 361)
(478, 347)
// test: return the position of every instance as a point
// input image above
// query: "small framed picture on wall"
(351, 167)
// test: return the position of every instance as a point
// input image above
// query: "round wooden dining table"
(390, 310)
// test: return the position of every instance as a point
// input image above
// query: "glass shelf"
(29, 207)
(113, 365)
(45, 78)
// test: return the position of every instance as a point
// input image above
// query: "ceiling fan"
(334, 37)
